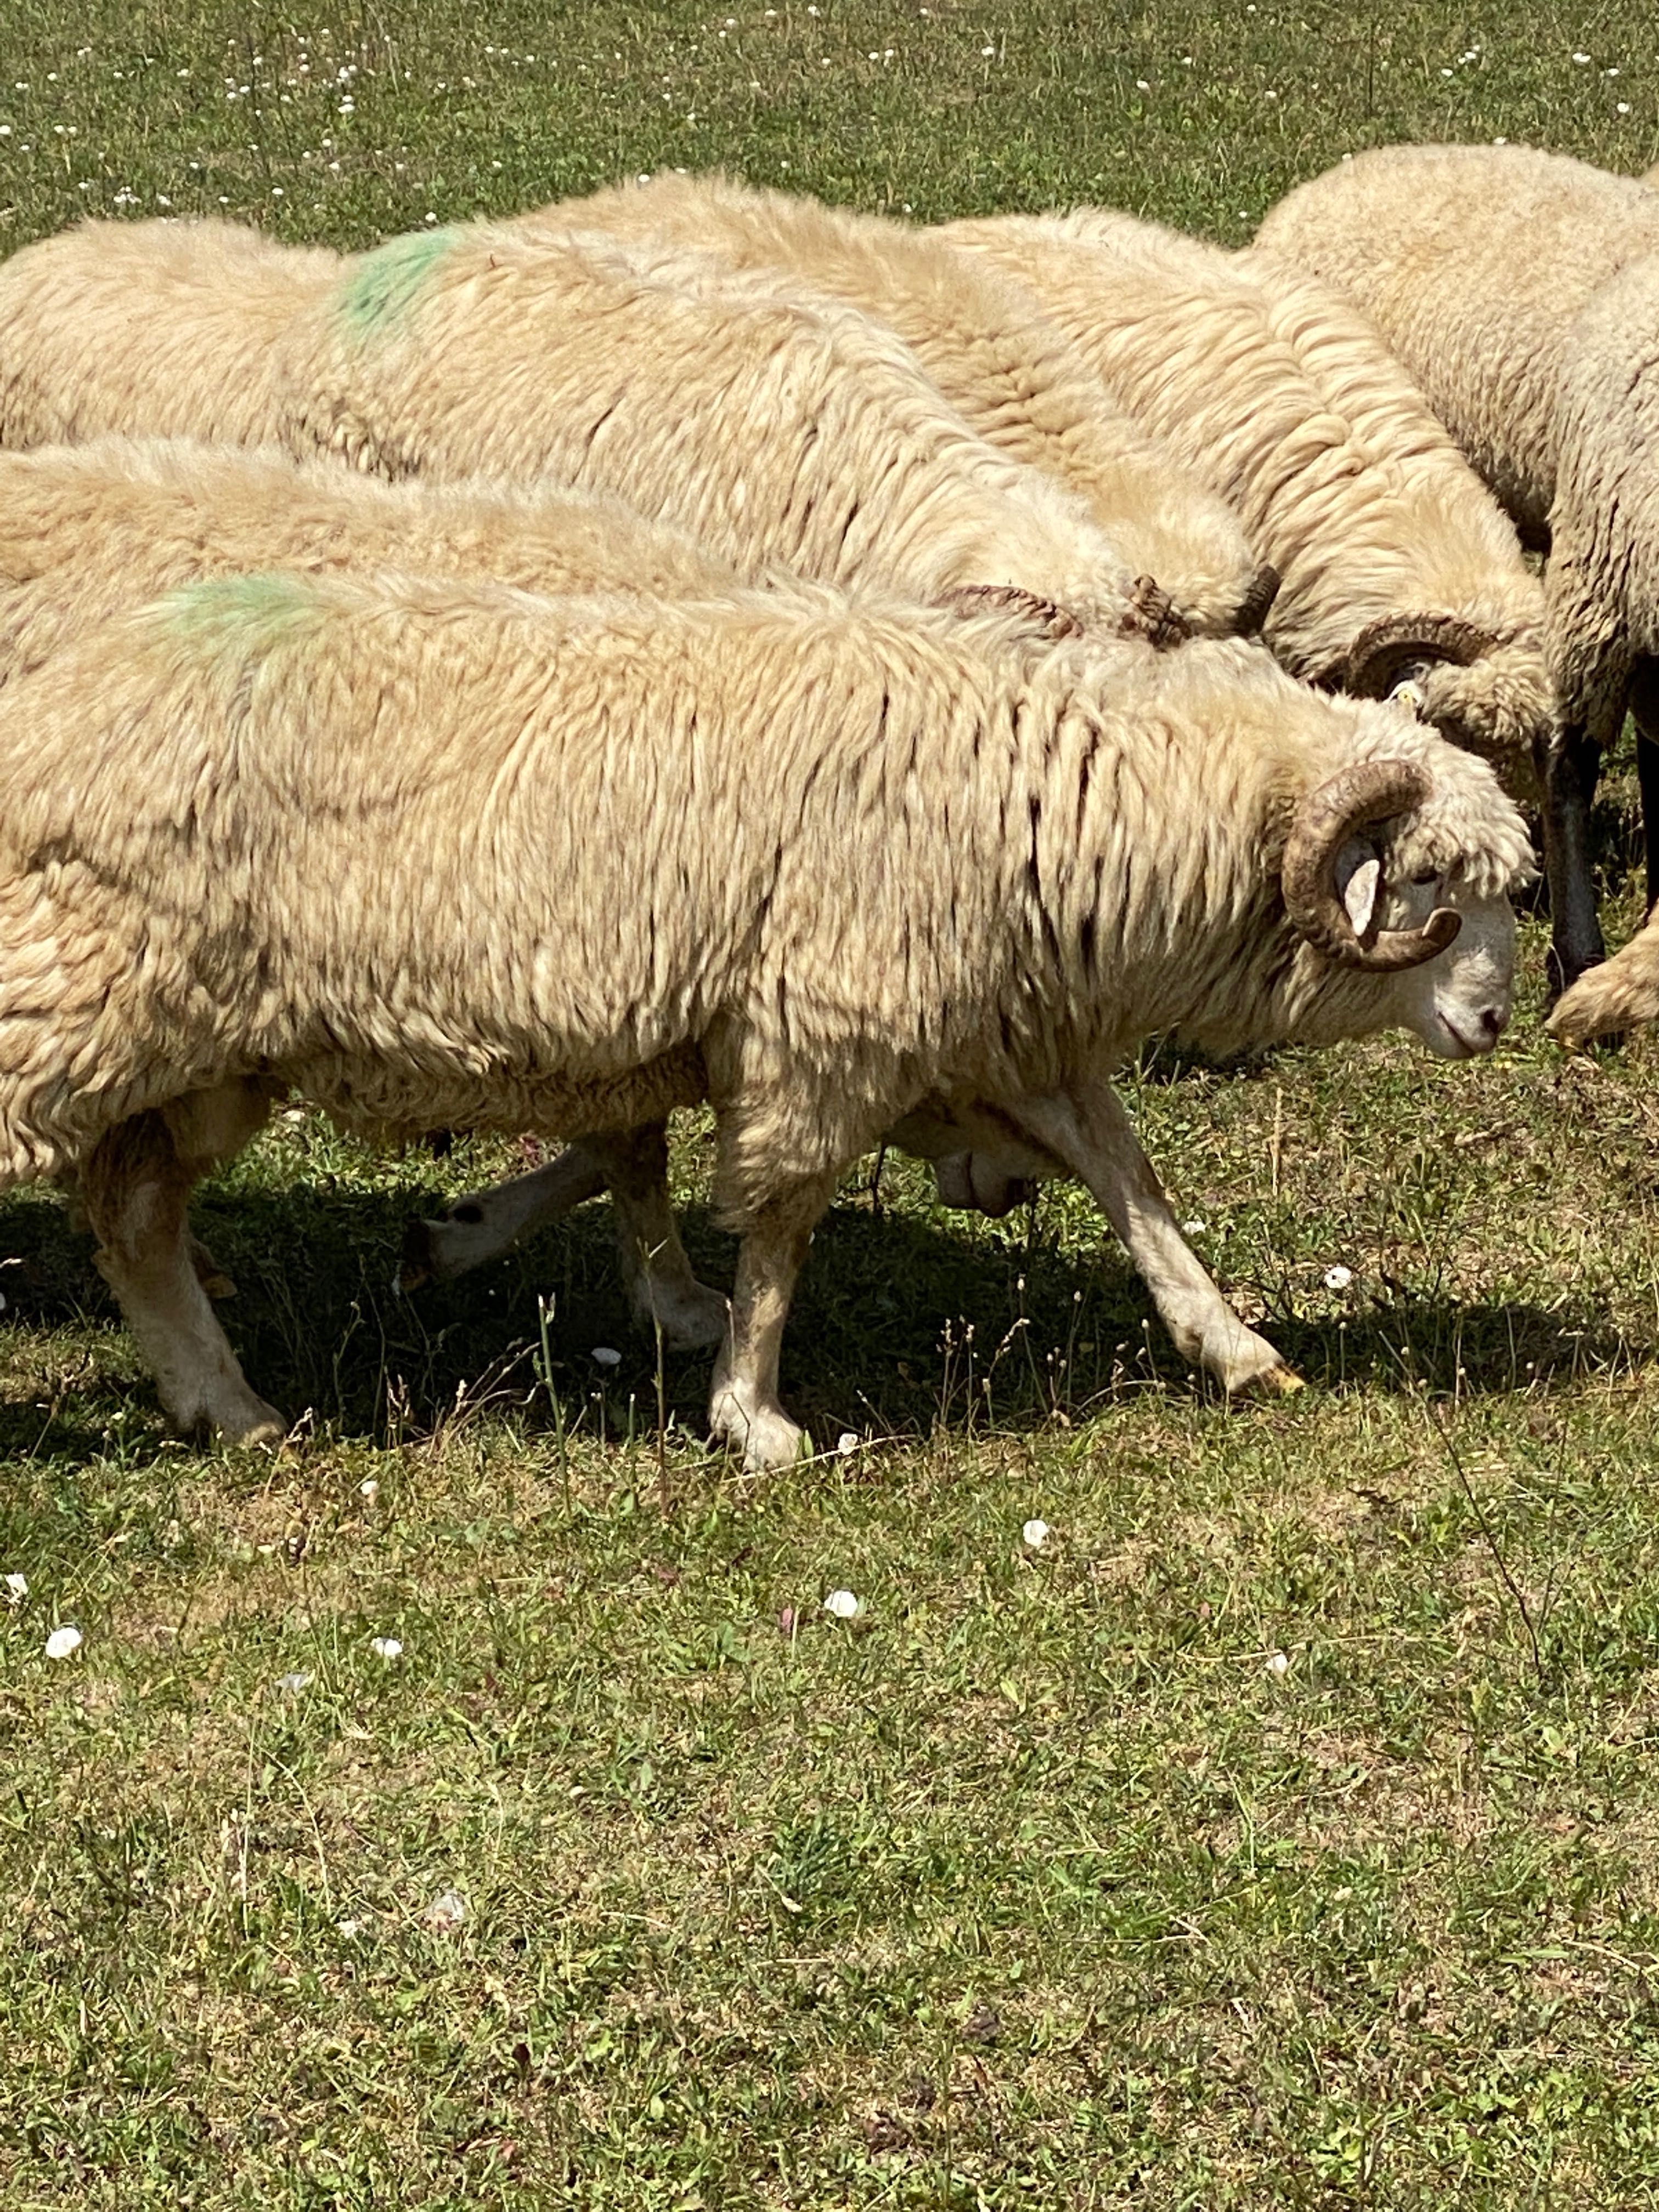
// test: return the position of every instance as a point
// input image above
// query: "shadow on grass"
(901, 1325)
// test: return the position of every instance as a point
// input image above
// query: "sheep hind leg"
(744, 1409)
(1093, 1136)
(661, 1288)
(136, 1187)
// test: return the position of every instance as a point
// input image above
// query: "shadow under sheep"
(896, 1325)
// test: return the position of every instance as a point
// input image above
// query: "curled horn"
(1050, 620)
(1257, 602)
(1371, 791)
(1374, 663)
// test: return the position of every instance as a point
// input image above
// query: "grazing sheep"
(776, 429)
(1395, 563)
(150, 329)
(1009, 373)
(1478, 263)
(398, 846)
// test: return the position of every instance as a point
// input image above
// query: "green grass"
(1040, 1883)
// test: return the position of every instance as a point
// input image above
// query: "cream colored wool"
(400, 846)
(1009, 371)
(89, 531)
(1474, 262)
(156, 329)
(1287, 402)
(774, 429)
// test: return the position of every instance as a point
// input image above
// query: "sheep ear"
(1358, 878)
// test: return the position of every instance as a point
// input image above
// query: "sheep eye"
(1426, 875)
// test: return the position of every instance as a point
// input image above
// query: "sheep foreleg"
(1092, 1134)
(1569, 776)
(744, 1408)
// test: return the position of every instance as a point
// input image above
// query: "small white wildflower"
(1141, 85)
(447, 1912)
(1581, 59)
(294, 1683)
(846, 1442)
(430, 217)
(1338, 1279)
(842, 1603)
(1610, 72)
(386, 1647)
(986, 53)
(368, 1490)
(17, 1589)
(62, 1642)
(348, 1927)
(1500, 142)
(1278, 1664)
(1622, 107)
(605, 1355)
(1035, 1534)
(1192, 1228)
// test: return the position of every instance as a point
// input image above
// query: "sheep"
(1011, 372)
(774, 428)
(1395, 563)
(395, 845)
(1478, 263)
(152, 329)
(604, 369)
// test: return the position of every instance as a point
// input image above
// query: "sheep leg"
(744, 1408)
(488, 1223)
(1569, 776)
(1092, 1134)
(136, 1187)
(661, 1287)
(1644, 711)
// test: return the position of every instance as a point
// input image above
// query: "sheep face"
(1458, 1002)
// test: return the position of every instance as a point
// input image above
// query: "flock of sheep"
(690, 643)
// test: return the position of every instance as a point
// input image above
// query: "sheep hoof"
(690, 1315)
(1281, 1382)
(765, 1435)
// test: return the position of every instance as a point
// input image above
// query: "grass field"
(1284, 1830)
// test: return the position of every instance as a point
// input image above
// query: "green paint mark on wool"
(383, 289)
(240, 611)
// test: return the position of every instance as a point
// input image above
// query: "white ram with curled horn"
(878, 869)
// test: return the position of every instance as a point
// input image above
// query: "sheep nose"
(1493, 1019)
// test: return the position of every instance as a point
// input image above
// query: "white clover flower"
(1278, 1664)
(1622, 107)
(368, 1490)
(846, 1442)
(1035, 1534)
(62, 1642)
(17, 1589)
(605, 1355)
(1581, 59)
(842, 1604)
(447, 1912)
(386, 1647)
(1338, 1279)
